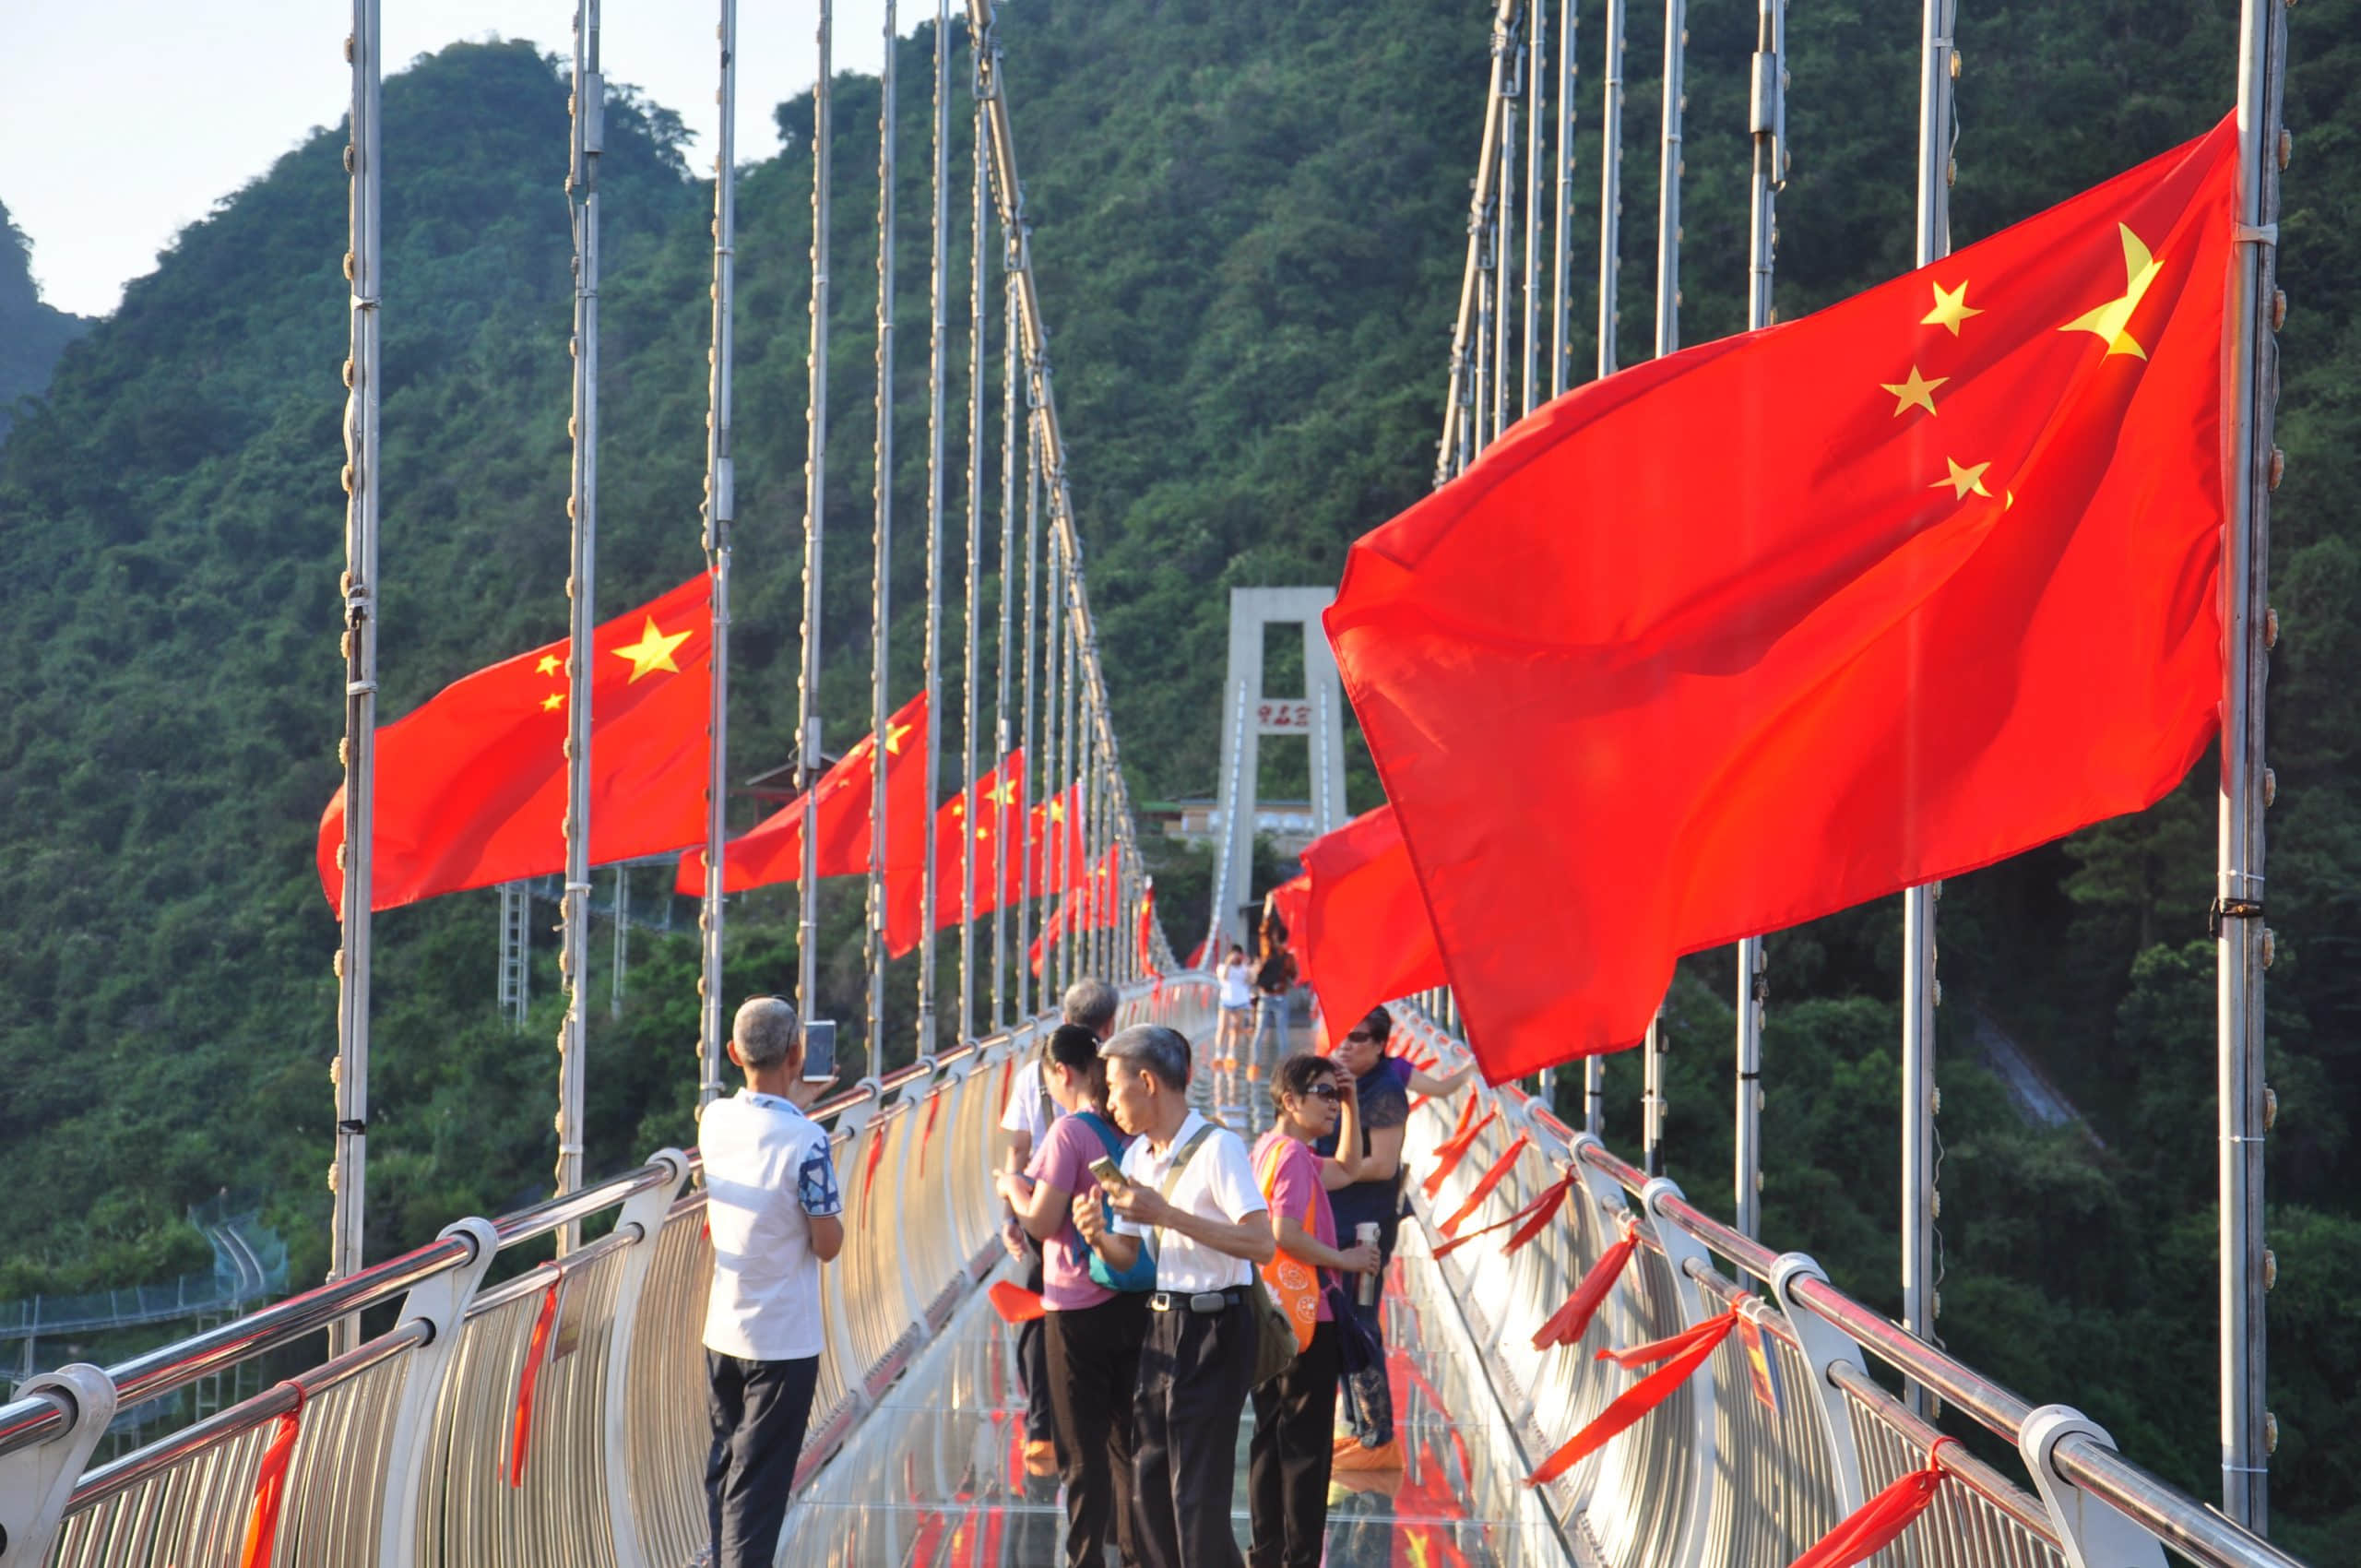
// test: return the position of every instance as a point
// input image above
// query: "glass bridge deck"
(934, 1478)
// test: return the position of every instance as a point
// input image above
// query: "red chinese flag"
(1784, 623)
(1000, 797)
(471, 786)
(1055, 866)
(1365, 937)
(1289, 900)
(1094, 902)
(772, 850)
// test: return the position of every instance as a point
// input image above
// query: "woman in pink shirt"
(1093, 1333)
(1295, 1413)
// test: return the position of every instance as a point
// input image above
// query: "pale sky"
(124, 120)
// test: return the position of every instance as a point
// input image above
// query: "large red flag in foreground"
(1364, 937)
(999, 811)
(1786, 622)
(772, 850)
(471, 786)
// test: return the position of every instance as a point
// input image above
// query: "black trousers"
(1033, 1359)
(1287, 1475)
(1195, 1371)
(1094, 1378)
(759, 1410)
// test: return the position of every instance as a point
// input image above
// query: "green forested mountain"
(32, 333)
(1249, 222)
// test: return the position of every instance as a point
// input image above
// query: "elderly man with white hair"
(773, 1203)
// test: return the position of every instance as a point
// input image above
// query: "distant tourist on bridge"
(1383, 1085)
(1237, 1018)
(1098, 1315)
(1295, 1413)
(774, 1207)
(1188, 1197)
(1089, 1004)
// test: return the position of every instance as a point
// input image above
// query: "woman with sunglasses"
(1373, 1196)
(1295, 1413)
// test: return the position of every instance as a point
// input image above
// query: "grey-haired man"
(774, 1207)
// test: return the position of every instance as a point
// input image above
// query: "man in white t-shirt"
(1190, 1195)
(1089, 1004)
(771, 1200)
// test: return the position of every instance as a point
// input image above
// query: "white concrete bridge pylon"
(1316, 712)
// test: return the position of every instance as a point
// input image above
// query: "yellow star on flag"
(652, 652)
(1917, 390)
(1965, 480)
(2110, 319)
(893, 733)
(1951, 308)
(1007, 793)
(548, 666)
(551, 703)
(1057, 811)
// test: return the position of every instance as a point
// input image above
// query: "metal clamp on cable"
(2231, 910)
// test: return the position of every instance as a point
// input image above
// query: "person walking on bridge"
(1186, 1195)
(1097, 1317)
(773, 1203)
(1089, 1005)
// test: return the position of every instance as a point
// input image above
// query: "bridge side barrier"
(2095, 1504)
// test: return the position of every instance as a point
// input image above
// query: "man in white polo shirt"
(771, 1200)
(1190, 1195)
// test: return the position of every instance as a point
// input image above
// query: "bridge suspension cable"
(815, 445)
(720, 511)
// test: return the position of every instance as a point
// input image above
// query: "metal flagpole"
(1920, 991)
(970, 817)
(1767, 121)
(1053, 731)
(348, 1177)
(582, 190)
(1461, 406)
(815, 439)
(1562, 347)
(621, 913)
(1036, 748)
(1652, 1098)
(1611, 211)
(1070, 760)
(1504, 253)
(880, 600)
(720, 510)
(1535, 57)
(1487, 289)
(938, 295)
(2243, 943)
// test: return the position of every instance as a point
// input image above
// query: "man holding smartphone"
(773, 1204)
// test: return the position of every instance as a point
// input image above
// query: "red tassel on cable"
(1872, 1527)
(270, 1488)
(520, 1431)
(1637, 1400)
(1568, 1322)
(1448, 1156)
(1486, 1182)
(1536, 1214)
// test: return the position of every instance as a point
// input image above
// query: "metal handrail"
(548, 1215)
(2180, 1521)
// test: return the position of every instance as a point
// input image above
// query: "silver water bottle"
(1367, 1285)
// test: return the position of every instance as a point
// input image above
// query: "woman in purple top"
(1093, 1333)
(1287, 1481)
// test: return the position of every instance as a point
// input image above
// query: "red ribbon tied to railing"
(1015, 1304)
(271, 1487)
(1871, 1527)
(528, 1377)
(1448, 1155)
(1687, 1351)
(1486, 1182)
(1567, 1324)
(1536, 1214)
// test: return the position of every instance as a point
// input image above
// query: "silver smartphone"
(820, 1052)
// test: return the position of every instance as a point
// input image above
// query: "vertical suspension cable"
(970, 817)
(1611, 211)
(720, 511)
(1767, 121)
(1037, 758)
(1005, 822)
(1061, 876)
(881, 602)
(1504, 248)
(1560, 343)
(348, 1177)
(815, 440)
(582, 506)
(1536, 94)
(938, 278)
(1920, 991)
(1458, 443)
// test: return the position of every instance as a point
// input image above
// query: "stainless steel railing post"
(643, 1213)
(441, 1302)
(1824, 1345)
(37, 1481)
(2092, 1533)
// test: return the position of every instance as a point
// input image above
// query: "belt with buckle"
(1203, 1302)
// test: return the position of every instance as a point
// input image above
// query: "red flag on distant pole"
(1364, 936)
(772, 850)
(471, 785)
(1000, 796)
(1784, 623)
(1091, 905)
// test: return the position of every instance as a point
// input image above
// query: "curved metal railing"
(556, 1417)
(1713, 1476)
